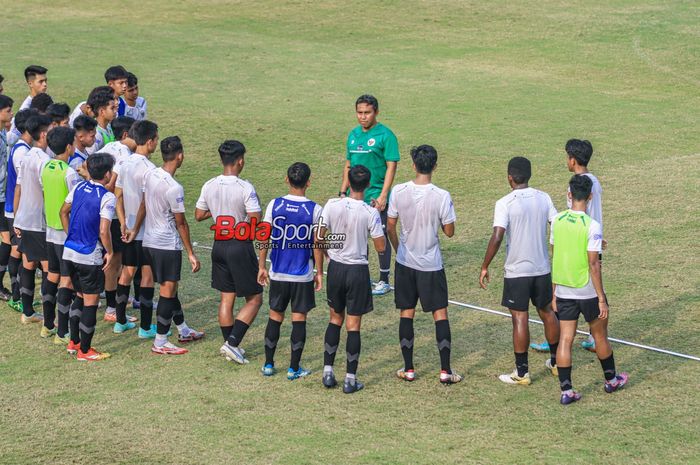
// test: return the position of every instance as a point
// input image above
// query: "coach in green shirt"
(373, 145)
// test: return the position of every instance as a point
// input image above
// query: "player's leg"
(280, 295)
(569, 311)
(541, 291)
(27, 285)
(76, 309)
(245, 317)
(145, 296)
(516, 297)
(358, 298)
(331, 340)
(92, 282)
(112, 273)
(303, 300)
(64, 299)
(164, 317)
(49, 292)
(353, 346)
(129, 262)
(225, 315)
(405, 299)
(13, 266)
(382, 286)
(5, 250)
(599, 332)
(443, 337)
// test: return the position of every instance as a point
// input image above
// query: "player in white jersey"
(423, 210)
(522, 217)
(166, 233)
(38, 83)
(349, 220)
(229, 200)
(85, 130)
(5, 247)
(136, 106)
(29, 222)
(129, 196)
(120, 149)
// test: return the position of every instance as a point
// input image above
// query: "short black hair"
(41, 102)
(170, 147)
(580, 187)
(99, 90)
(143, 131)
(59, 138)
(230, 151)
(58, 112)
(116, 72)
(36, 124)
(520, 169)
(84, 123)
(100, 99)
(132, 80)
(579, 150)
(359, 177)
(425, 158)
(298, 174)
(32, 70)
(121, 125)
(5, 101)
(21, 118)
(98, 164)
(369, 100)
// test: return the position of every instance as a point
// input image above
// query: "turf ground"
(482, 81)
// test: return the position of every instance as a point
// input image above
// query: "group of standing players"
(109, 214)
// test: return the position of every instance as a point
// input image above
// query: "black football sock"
(13, 267)
(178, 314)
(553, 353)
(443, 336)
(272, 335)
(565, 378)
(406, 337)
(48, 299)
(226, 331)
(237, 333)
(88, 320)
(331, 341)
(76, 311)
(5, 250)
(164, 314)
(120, 300)
(111, 298)
(26, 282)
(608, 366)
(146, 300)
(352, 350)
(521, 363)
(63, 301)
(385, 264)
(297, 340)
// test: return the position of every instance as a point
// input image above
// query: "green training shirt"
(373, 149)
(570, 239)
(53, 181)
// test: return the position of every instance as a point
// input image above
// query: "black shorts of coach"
(165, 264)
(132, 254)
(300, 294)
(348, 288)
(4, 225)
(33, 246)
(570, 309)
(519, 292)
(116, 230)
(14, 240)
(234, 268)
(411, 285)
(56, 262)
(87, 279)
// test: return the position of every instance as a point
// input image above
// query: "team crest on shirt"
(371, 142)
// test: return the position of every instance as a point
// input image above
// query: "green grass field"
(482, 81)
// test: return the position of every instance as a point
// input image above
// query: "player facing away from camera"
(374, 146)
(578, 155)
(5, 246)
(423, 210)
(87, 216)
(129, 193)
(234, 268)
(30, 223)
(522, 217)
(57, 180)
(120, 149)
(291, 277)
(166, 233)
(59, 114)
(577, 241)
(348, 286)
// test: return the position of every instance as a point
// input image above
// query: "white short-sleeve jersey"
(164, 197)
(356, 221)
(229, 196)
(130, 181)
(30, 211)
(119, 151)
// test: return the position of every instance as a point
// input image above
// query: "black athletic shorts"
(132, 255)
(88, 279)
(14, 240)
(165, 264)
(519, 292)
(56, 262)
(4, 226)
(234, 268)
(301, 295)
(570, 309)
(410, 285)
(348, 288)
(116, 230)
(33, 246)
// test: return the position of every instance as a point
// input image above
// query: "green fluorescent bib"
(53, 178)
(570, 260)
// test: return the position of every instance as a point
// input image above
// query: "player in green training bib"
(374, 146)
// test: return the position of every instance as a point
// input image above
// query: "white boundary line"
(507, 315)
